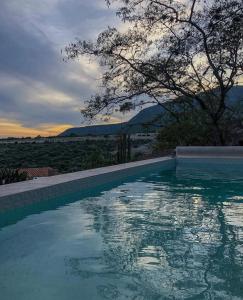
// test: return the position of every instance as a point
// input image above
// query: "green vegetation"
(190, 126)
(10, 175)
(65, 157)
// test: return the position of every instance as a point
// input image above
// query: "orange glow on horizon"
(15, 129)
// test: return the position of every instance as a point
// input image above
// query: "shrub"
(11, 175)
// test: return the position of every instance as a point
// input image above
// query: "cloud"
(36, 86)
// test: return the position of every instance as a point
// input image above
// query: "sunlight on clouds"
(84, 71)
(54, 97)
(39, 92)
(15, 129)
(35, 91)
(79, 78)
(7, 81)
(89, 67)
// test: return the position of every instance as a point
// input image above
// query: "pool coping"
(23, 193)
(222, 152)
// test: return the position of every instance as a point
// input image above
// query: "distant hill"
(139, 123)
(108, 129)
(146, 115)
(236, 94)
(142, 122)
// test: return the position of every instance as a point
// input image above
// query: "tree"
(8, 175)
(191, 49)
(193, 126)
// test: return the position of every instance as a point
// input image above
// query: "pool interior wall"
(81, 185)
(213, 164)
(216, 158)
(16, 207)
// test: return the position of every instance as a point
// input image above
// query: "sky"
(39, 93)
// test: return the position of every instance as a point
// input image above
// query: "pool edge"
(29, 192)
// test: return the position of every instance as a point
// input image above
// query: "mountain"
(236, 93)
(108, 129)
(147, 115)
(142, 122)
(139, 123)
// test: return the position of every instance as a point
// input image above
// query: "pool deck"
(22, 193)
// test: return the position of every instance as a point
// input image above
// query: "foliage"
(188, 131)
(124, 148)
(65, 157)
(171, 49)
(192, 127)
(8, 175)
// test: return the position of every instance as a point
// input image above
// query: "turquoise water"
(168, 235)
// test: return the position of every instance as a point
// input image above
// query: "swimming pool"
(174, 234)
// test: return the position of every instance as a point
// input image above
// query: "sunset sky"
(39, 93)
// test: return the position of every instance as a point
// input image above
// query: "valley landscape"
(82, 148)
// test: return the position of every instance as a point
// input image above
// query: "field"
(65, 157)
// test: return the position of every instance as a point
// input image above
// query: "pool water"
(169, 235)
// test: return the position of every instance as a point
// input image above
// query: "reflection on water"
(174, 235)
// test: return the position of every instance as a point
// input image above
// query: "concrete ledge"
(29, 192)
(210, 152)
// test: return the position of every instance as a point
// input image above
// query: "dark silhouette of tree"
(124, 148)
(191, 49)
(193, 127)
(8, 175)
